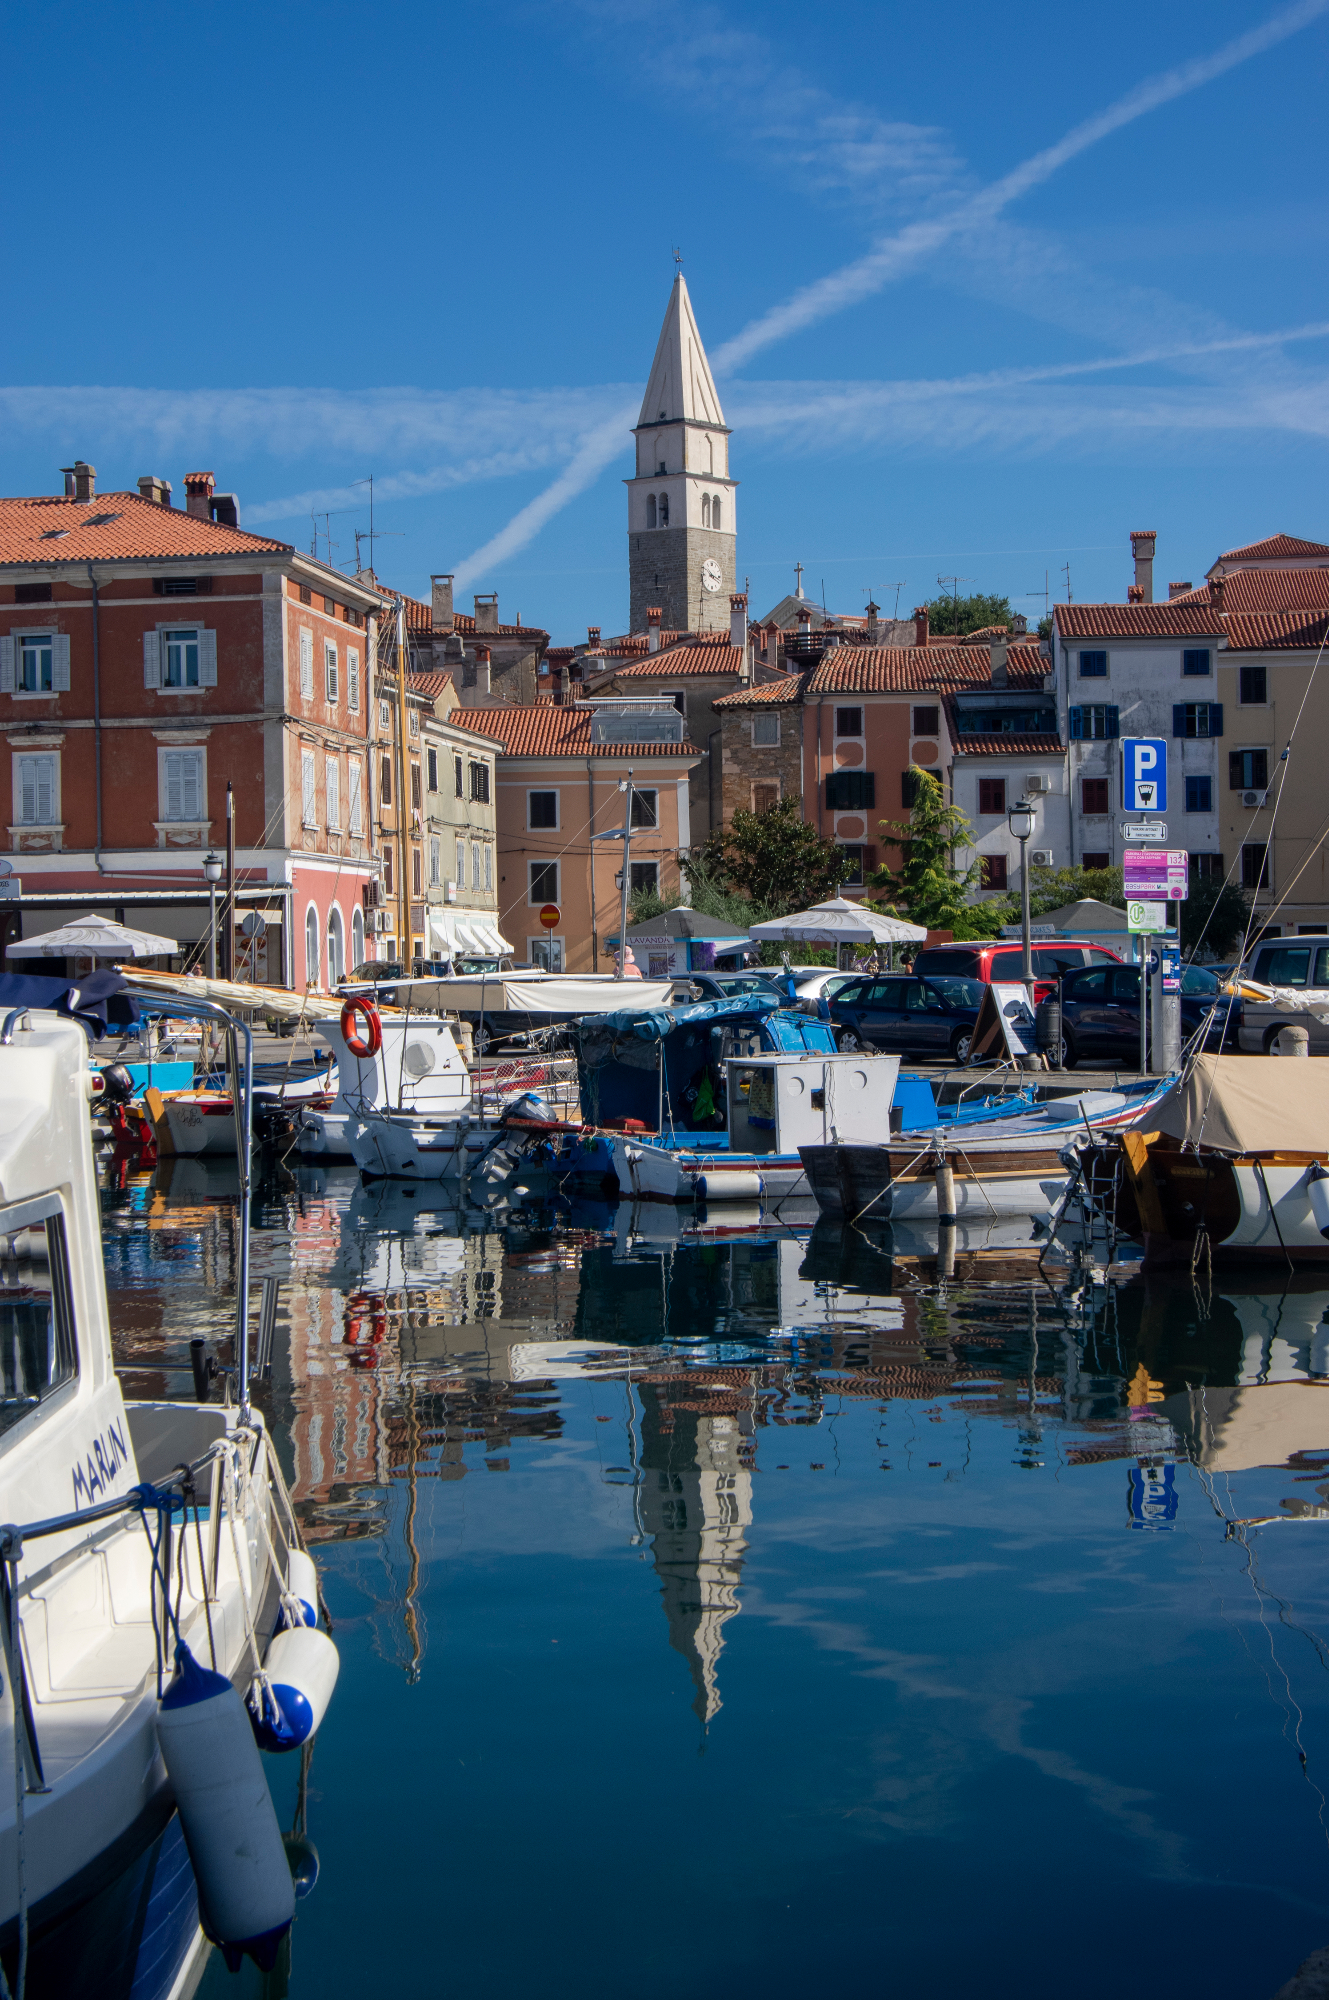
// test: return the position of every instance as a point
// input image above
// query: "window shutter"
(1215, 718)
(1178, 718)
(1077, 725)
(152, 659)
(191, 784)
(174, 792)
(207, 659)
(334, 792)
(59, 663)
(1113, 722)
(354, 783)
(6, 665)
(307, 788)
(306, 664)
(1234, 771)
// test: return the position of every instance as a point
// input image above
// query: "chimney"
(154, 489)
(560, 686)
(804, 620)
(198, 494)
(1019, 624)
(738, 621)
(921, 635)
(593, 636)
(441, 615)
(1216, 593)
(1142, 548)
(874, 623)
(486, 612)
(80, 480)
(1178, 590)
(1135, 594)
(997, 660)
(482, 668)
(226, 509)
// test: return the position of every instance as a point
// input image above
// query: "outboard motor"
(117, 1084)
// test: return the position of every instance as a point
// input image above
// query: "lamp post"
(1020, 819)
(212, 868)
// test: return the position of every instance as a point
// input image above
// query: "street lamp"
(1020, 819)
(212, 868)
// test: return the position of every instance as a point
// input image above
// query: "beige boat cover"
(1248, 1104)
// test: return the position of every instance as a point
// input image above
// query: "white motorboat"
(158, 1551)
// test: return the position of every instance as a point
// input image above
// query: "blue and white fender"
(1317, 1193)
(287, 1704)
(246, 1896)
(301, 1584)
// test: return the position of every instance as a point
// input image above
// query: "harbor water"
(776, 1607)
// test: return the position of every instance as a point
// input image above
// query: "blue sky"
(300, 245)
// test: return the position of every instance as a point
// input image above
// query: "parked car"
(907, 1016)
(1302, 962)
(734, 985)
(1100, 1013)
(1002, 959)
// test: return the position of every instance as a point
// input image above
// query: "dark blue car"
(1100, 1013)
(910, 1017)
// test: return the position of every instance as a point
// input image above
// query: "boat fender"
(372, 1041)
(302, 1860)
(288, 1702)
(246, 1896)
(302, 1584)
(1317, 1192)
(738, 1186)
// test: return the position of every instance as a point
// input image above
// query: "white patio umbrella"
(835, 923)
(94, 937)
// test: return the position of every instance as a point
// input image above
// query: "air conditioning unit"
(1041, 857)
(1039, 782)
(381, 920)
(1252, 799)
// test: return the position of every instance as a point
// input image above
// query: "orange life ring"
(373, 1036)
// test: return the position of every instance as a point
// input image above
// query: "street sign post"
(550, 916)
(1144, 773)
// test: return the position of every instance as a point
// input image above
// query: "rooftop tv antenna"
(955, 582)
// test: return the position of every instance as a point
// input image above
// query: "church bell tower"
(682, 531)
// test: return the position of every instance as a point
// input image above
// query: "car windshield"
(1196, 980)
(958, 992)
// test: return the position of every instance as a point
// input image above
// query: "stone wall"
(747, 766)
(664, 568)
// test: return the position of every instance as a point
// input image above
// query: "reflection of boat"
(93, 1862)
(1234, 1154)
(1008, 1166)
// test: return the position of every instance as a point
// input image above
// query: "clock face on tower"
(711, 579)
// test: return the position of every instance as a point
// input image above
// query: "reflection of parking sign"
(1153, 1497)
(1144, 771)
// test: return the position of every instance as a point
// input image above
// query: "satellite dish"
(6, 868)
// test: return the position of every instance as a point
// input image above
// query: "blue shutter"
(1113, 719)
(1215, 718)
(1077, 725)
(1178, 718)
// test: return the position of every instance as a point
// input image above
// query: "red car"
(1000, 959)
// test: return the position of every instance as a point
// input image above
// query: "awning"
(465, 934)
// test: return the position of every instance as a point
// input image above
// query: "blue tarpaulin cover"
(96, 1003)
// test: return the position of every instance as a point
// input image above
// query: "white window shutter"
(152, 659)
(306, 664)
(6, 665)
(207, 659)
(59, 663)
(173, 790)
(192, 786)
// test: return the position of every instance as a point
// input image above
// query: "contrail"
(894, 254)
(868, 274)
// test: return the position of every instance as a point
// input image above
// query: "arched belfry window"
(705, 510)
(664, 510)
(650, 510)
(715, 511)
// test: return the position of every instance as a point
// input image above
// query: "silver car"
(1300, 962)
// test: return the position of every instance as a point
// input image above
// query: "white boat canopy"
(95, 937)
(838, 922)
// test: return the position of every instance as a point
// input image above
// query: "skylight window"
(54, 534)
(100, 520)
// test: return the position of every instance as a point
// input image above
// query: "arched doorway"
(336, 947)
(357, 937)
(311, 947)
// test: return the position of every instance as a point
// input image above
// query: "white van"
(1302, 962)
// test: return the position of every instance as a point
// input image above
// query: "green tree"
(774, 860)
(1052, 888)
(928, 888)
(967, 614)
(1217, 914)
(1045, 627)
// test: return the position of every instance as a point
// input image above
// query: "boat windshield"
(38, 1352)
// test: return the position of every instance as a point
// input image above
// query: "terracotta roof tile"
(117, 527)
(1276, 590)
(771, 694)
(1181, 619)
(1273, 547)
(702, 655)
(901, 669)
(544, 730)
(1260, 631)
(1007, 745)
(420, 620)
(432, 685)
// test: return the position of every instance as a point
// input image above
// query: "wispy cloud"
(893, 255)
(603, 445)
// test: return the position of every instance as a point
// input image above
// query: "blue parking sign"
(1144, 767)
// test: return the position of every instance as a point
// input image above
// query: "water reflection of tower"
(696, 1503)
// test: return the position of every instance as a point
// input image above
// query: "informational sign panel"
(1004, 1030)
(1156, 873)
(1144, 773)
(1148, 917)
(1144, 829)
